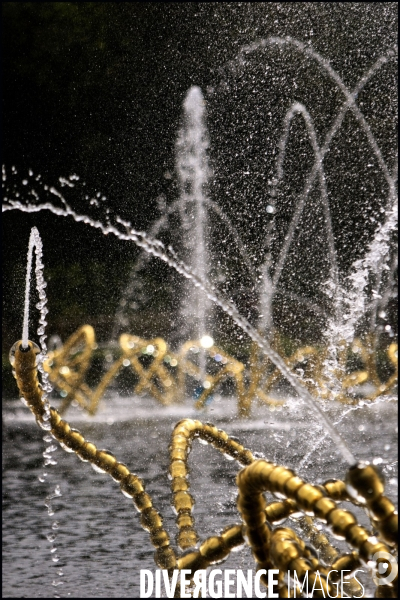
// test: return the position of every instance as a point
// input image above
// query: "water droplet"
(228, 457)
(64, 447)
(96, 468)
(44, 425)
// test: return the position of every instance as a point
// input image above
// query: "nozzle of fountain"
(24, 362)
(19, 347)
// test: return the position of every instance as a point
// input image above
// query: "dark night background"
(96, 89)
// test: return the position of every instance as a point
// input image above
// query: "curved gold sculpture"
(272, 546)
(165, 377)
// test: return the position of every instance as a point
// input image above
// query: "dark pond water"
(100, 543)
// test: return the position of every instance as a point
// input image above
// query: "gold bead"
(356, 536)
(389, 529)
(277, 511)
(178, 468)
(254, 519)
(132, 485)
(233, 536)
(105, 461)
(87, 451)
(336, 489)
(364, 481)
(181, 430)
(150, 519)
(178, 454)
(245, 457)
(192, 560)
(340, 521)
(55, 418)
(62, 430)
(370, 547)
(300, 566)
(180, 484)
(187, 538)
(381, 508)
(181, 443)
(214, 549)
(142, 501)
(159, 538)
(283, 552)
(258, 538)
(307, 496)
(278, 478)
(75, 440)
(251, 504)
(119, 472)
(323, 507)
(346, 562)
(183, 501)
(291, 486)
(165, 557)
(235, 448)
(184, 519)
(255, 476)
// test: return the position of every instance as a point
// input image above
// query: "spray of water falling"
(35, 244)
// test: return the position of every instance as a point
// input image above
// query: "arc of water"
(350, 103)
(270, 285)
(162, 222)
(315, 169)
(299, 109)
(350, 96)
(157, 248)
(232, 229)
(140, 263)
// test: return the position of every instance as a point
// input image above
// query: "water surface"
(100, 542)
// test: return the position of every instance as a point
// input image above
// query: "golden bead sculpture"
(272, 545)
(165, 377)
